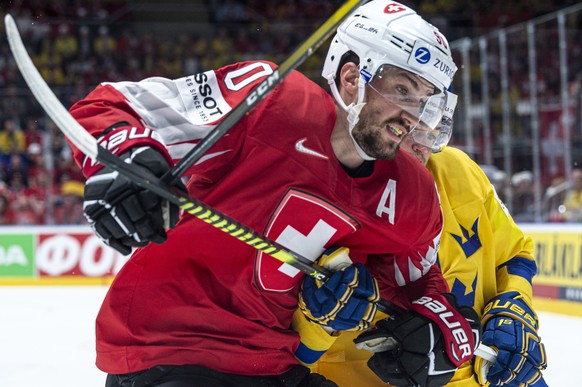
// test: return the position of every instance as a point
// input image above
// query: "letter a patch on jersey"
(306, 225)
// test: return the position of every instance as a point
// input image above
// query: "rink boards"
(558, 283)
(48, 255)
(45, 255)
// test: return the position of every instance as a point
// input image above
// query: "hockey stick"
(90, 147)
(261, 90)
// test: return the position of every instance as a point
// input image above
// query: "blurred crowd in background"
(76, 44)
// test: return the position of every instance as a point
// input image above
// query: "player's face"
(394, 100)
(420, 152)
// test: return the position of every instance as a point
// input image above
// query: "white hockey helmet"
(386, 32)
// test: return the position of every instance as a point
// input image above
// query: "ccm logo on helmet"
(446, 316)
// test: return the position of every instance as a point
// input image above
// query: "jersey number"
(244, 76)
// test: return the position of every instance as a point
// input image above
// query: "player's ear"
(348, 82)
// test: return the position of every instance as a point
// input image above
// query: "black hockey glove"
(121, 213)
(426, 345)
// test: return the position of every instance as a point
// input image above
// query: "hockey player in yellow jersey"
(488, 263)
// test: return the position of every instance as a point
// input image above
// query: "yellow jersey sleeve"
(483, 252)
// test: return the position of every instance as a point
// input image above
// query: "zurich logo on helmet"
(422, 55)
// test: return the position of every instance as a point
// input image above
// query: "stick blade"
(45, 96)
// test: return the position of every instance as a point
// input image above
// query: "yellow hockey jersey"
(482, 253)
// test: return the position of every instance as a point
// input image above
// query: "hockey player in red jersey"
(199, 307)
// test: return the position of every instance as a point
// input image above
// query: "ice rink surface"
(47, 339)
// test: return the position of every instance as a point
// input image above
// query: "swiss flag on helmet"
(394, 8)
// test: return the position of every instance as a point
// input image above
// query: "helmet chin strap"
(353, 111)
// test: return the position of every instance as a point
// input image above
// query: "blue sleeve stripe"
(307, 355)
(523, 267)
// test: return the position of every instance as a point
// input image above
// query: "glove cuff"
(481, 369)
(335, 258)
(123, 138)
(315, 341)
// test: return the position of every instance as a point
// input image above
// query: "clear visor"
(435, 139)
(438, 138)
(423, 110)
(429, 109)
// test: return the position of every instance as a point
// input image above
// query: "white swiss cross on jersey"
(319, 226)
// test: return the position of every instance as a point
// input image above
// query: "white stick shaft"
(45, 96)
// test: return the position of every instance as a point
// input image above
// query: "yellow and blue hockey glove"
(346, 301)
(510, 326)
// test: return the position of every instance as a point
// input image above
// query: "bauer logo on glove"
(465, 345)
(423, 346)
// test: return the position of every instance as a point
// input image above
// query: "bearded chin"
(375, 147)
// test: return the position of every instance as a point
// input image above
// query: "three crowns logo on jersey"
(473, 242)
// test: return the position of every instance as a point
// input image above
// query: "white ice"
(47, 339)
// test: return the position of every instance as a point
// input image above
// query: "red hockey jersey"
(203, 297)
